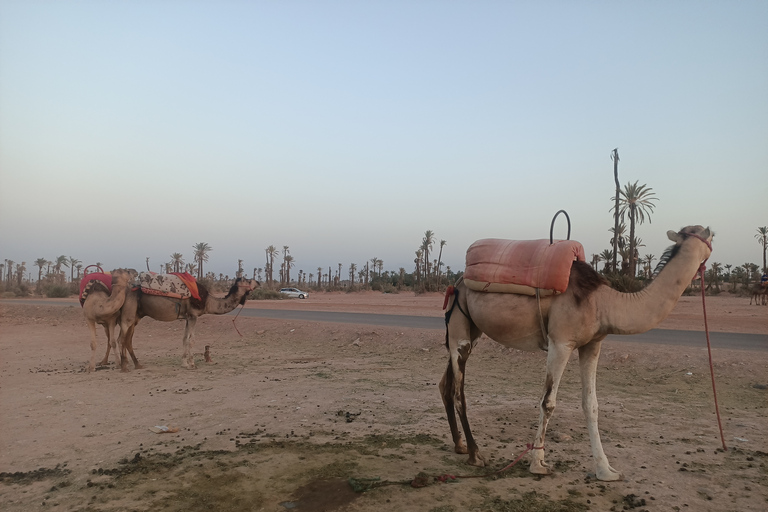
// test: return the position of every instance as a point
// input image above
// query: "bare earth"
(286, 414)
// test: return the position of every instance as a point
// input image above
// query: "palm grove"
(621, 263)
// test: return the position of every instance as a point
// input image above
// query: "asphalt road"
(725, 340)
(659, 336)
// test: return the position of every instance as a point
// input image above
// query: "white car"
(293, 292)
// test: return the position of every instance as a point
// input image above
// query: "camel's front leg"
(105, 361)
(588, 357)
(557, 359)
(188, 359)
(125, 342)
(94, 345)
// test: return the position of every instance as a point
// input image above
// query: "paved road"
(658, 336)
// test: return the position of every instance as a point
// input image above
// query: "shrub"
(264, 294)
(57, 291)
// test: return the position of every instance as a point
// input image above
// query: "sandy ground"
(286, 414)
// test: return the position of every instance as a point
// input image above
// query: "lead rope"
(709, 350)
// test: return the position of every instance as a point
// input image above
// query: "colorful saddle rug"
(521, 266)
(94, 280)
(176, 285)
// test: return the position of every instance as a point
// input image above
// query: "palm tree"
(319, 277)
(615, 158)
(649, 263)
(148, 264)
(762, 239)
(606, 256)
(714, 276)
(191, 268)
(61, 261)
(201, 255)
(9, 270)
(288, 263)
(177, 260)
(270, 265)
(426, 246)
(40, 263)
(619, 241)
(352, 270)
(637, 202)
(439, 262)
(72, 264)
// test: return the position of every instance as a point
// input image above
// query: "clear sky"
(346, 129)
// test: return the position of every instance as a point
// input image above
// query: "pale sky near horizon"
(345, 129)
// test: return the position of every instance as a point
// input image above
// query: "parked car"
(293, 292)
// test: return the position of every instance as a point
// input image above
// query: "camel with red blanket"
(580, 317)
(142, 302)
(101, 296)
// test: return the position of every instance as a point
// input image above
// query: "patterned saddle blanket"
(521, 266)
(94, 280)
(177, 285)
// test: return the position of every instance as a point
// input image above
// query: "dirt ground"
(293, 414)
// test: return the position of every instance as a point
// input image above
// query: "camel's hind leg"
(105, 361)
(588, 357)
(460, 332)
(557, 359)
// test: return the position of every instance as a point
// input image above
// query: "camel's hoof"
(540, 468)
(609, 475)
(461, 449)
(124, 370)
(476, 460)
(138, 367)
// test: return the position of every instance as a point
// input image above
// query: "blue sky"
(345, 130)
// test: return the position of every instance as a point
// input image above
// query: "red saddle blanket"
(521, 266)
(94, 279)
(176, 284)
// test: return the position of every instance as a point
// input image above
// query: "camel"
(758, 290)
(166, 309)
(579, 318)
(102, 307)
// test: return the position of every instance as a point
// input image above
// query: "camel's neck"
(115, 300)
(222, 306)
(633, 313)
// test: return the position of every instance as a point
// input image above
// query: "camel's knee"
(463, 350)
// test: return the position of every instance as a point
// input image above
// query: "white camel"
(580, 318)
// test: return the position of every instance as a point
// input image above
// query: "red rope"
(233, 320)
(709, 350)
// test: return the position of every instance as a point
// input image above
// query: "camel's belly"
(509, 319)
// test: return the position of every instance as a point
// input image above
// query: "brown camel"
(166, 309)
(579, 318)
(102, 307)
(759, 294)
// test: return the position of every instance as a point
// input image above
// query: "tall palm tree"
(319, 277)
(426, 246)
(380, 267)
(439, 262)
(270, 265)
(615, 158)
(9, 270)
(61, 261)
(637, 203)
(762, 239)
(288, 262)
(177, 260)
(606, 256)
(148, 264)
(72, 265)
(201, 255)
(40, 263)
(352, 270)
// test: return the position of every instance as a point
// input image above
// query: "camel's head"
(244, 286)
(699, 232)
(122, 276)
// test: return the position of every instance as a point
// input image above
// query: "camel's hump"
(521, 266)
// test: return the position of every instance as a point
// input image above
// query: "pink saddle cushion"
(87, 282)
(528, 263)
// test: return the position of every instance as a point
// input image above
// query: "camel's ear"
(674, 236)
(707, 234)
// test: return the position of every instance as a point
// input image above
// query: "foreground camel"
(166, 309)
(580, 318)
(101, 307)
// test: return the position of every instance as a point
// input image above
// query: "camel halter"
(702, 269)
